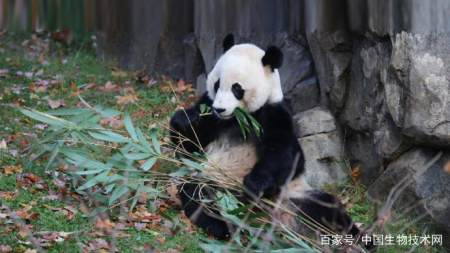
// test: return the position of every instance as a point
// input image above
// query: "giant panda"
(246, 76)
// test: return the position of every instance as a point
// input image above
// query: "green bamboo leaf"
(106, 112)
(148, 164)
(93, 181)
(136, 156)
(136, 196)
(48, 119)
(143, 141)
(54, 154)
(83, 161)
(68, 112)
(129, 126)
(117, 193)
(192, 164)
(89, 172)
(105, 135)
(181, 172)
(155, 141)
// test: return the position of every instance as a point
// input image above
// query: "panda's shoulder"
(275, 114)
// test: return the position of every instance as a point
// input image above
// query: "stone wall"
(368, 80)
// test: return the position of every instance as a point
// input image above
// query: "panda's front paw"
(183, 120)
(258, 185)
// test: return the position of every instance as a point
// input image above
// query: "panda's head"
(244, 76)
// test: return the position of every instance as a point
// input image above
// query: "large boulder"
(426, 175)
(417, 87)
(322, 145)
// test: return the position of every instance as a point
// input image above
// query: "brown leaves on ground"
(109, 87)
(130, 97)
(26, 213)
(105, 225)
(97, 245)
(8, 195)
(356, 172)
(182, 86)
(113, 122)
(48, 238)
(68, 211)
(54, 104)
(142, 77)
(5, 248)
(144, 216)
(28, 180)
(447, 167)
(12, 169)
(4, 72)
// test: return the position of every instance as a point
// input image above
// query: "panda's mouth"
(223, 117)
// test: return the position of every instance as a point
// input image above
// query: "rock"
(332, 56)
(298, 77)
(315, 121)
(322, 145)
(362, 153)
(363, 109)
(417, 85)
(430, 185)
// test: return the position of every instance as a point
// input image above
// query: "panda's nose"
(218, 110)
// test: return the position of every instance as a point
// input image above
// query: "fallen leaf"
(144, 216)
(113, 122)
(27, 180)
(4, 72)
(139, 226)
(12, 169)
(356, 172)
(7, 195)
(126, 99)
(96, 245)
(104, 224)
(54, 104)
(5, 248)
(182, 87)
(447, 167)
(109, 87)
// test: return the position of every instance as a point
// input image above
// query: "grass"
(73, 69)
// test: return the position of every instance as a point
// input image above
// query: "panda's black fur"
(277, 151)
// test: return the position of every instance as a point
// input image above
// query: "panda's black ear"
(228, 42)
(273, 57)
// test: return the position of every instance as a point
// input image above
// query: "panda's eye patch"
(216, 85)
(237, 91)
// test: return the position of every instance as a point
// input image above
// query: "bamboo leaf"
(136, 156)
(143, 141)
(105, 135)
(129, 126)
(148, 164)
(117, 193)
(93, 181)
(48, 119)
(155, 141)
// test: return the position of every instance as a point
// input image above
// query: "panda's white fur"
(242, 64)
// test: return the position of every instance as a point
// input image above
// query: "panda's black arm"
(189, 129)
(279, 155)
